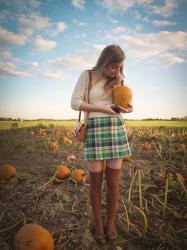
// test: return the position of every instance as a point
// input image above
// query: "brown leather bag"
(80, 128)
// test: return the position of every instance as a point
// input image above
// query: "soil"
(63, 207)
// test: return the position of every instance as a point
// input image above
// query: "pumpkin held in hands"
(33, 237)
(122, 96)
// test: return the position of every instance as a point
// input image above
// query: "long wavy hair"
(112, 54)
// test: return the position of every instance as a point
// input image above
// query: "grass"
(71, 123)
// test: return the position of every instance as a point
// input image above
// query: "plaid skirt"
(105, 138)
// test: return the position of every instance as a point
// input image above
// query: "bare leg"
(113, 170)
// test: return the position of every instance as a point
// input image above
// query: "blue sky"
(45, 45)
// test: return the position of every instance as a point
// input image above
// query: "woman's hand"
(108, 110)
(127, 110)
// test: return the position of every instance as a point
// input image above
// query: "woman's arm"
(79, 91)
(88, 107)
(78, 97)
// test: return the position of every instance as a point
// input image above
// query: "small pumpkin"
(69, 142)
(52, 145)
(70, 133)
(78, 175)
(65, 139)
(62, 172)
(127, 158)
(42, 132)
(33, 237)
(71, 158)
(122, 96)
(146, 146)
(7, 172)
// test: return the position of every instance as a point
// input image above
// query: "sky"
(45, 45)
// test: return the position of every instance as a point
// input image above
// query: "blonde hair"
(112, 54)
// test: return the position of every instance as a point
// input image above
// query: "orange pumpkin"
(122, 96)
(62, 172)
(42, 132)
(71, 158)
(65, 139)
(127, 158)
(78, 175)
(52, 145)
(69, 142)
(7, 172)
(33, 237)
(146, 146)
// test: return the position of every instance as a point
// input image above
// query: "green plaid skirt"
(106, 138)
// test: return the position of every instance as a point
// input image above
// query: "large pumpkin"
(7, 172)
(33, 237)
(122, 96)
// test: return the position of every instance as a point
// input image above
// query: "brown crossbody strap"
(89, 88)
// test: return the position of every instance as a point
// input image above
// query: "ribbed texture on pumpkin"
(122, 96)
(78, 175)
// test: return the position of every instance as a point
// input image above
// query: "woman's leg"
(113, 169)
(96, 176)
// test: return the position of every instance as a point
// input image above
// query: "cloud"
(37, 23)
(32, 65)
(112, 20)
(79, 23)
(80, 4)
(5, 53)
(118, 29)
(162, 23)
(166, 10)
(56, 29)
(34, 21)
(121, 5)
(148, 46)
(171, 59)
(10, 69)
(61, 26)
(10, 38)
(22, 5)
(54, 75)
(79, 60)
(44, 45)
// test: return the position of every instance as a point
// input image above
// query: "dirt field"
(149, 216)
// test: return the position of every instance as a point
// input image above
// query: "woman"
(106, 139)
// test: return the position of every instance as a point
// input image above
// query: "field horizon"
(72, 123)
